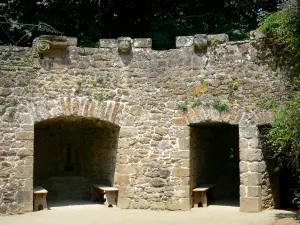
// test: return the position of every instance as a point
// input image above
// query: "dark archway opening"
(214, 155)
(279, 192)
(70, 154)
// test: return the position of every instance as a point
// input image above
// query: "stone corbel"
(45, 45)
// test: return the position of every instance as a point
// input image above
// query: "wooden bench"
(39, 198)
(111, 193)
(200, 194)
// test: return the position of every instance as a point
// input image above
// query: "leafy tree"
(161, 20)
(283, 27)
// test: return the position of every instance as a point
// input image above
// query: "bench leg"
(203, 199)
(196, 199)
(200, 197)
(111, 197)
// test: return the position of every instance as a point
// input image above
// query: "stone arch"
(74, 151)
(76, 106)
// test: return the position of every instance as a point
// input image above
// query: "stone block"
(24, 196)
(25, 152)
(184, 143)
(184, 41)
(217, 39)
(72, 41)
(122, 179)
(164, 173)
(200, 43)
(127, 132)
(136, 110)
(124, 45)
(244, 167)
(142, 42)
(259, 167)
(158, 206)
(248, 132)
(24, 172)
(141, 204)
(243, 191)
(254, 191)
(180, 172)
(173, 204)
(180, 155)
(108, 43)
(161, 131)
(158, 182)
(27, 206)
(251, 155)
(24, 135)
(124, 203)
(251, 179)
(257, 34)
(184, 204)
(248, 204)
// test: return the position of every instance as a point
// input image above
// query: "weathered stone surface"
(24, 196)
(243, 191)
(217, 39)
(248, 204)
(180, 172)
(24, 135)
(259, 167)
(251, 155)
(142, 42)
(127, 132)
(124, 45)
(184, 41)
(251, 179)
(254, 191)
(108, 43)
(200, 43)
(244, 167)
(158, 182)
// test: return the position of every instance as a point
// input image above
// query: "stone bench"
(200, 194)
(39, 198)
(111, 193)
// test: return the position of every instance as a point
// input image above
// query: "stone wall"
(152, 95)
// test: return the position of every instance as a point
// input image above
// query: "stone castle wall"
(153, 96)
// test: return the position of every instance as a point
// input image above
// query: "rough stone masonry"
(153, 96)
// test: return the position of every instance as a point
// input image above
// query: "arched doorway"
(71, 153)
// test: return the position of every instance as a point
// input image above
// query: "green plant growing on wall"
(99, 97)
(78, 87)
(196, 103)
(182, 106)
(220, 106)
(100, 79)
(283, 28)
(267, 103)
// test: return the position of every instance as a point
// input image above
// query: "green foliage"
(90, 20)
(267, 103)
(78, 87)
(284, 27)
(196, 103)
(100, 80)
(99, 97)
(220, 106)
(283, 138)
(182, 106)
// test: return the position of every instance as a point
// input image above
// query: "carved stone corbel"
(45, 45)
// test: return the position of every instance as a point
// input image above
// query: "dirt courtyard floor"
(99, 214)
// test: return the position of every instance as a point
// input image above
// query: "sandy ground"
(100, 214)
